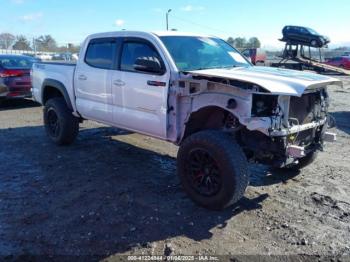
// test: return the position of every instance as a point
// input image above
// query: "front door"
(140, 98)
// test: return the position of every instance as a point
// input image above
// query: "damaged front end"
(283, 129)
(274, 126)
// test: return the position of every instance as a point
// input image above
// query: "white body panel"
(98, 95)
(63, 73)
(93, 93)
(139, 106)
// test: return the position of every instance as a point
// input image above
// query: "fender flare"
(59, 86)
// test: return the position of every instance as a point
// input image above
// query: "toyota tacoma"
(197, 92)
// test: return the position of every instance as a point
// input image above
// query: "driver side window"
(137, 50)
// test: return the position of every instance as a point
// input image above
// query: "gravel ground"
(113, 192)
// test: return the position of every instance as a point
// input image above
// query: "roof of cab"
(178, 33)
(157, 33)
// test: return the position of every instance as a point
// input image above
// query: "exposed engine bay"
(276, 129)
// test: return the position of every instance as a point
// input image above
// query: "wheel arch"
(207, 117)
(53, 88)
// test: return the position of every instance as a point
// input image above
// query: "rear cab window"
(101, 53)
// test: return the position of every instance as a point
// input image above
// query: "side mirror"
(146, 65)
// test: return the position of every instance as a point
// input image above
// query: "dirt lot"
(114, 192)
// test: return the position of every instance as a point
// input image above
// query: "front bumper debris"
(329, 137)
(295, 151)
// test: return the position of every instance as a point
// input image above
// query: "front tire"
(60, 124)
(213, 169)
(314, 43)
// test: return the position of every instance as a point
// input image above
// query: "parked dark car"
(303, 36)
(15, 79)
(340, 61)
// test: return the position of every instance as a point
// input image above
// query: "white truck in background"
(197, 92)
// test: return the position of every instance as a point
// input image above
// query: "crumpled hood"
(275, 80)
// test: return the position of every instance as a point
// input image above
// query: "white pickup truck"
(197, 92)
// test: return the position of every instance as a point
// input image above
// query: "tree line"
(242, 42)
(46, 43)
(43, 43)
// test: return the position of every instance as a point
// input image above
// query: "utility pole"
(34, 45)
(167, 19)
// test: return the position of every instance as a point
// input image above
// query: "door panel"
(140, 98)
(139, 106)
(92, 80)
(93, 94)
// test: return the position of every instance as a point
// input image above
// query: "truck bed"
(62, 72)
(64, 63)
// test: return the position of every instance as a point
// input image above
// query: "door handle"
(155, 83)
(82, 77)
(118, 82)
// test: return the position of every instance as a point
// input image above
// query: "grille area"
(305, 137)
(306, 108)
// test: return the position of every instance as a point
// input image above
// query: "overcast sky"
(70, 21)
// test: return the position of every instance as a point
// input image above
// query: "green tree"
(231, 41)
(253, 42)
(46, 43)
(6, 40)
(240, 42)
(21, 43)
(71, 48)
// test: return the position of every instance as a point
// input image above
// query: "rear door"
(293, 33)
(305, 35)
(140, 98)
(92, 80)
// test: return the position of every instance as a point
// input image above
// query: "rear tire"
(60, 124)
(213, 169)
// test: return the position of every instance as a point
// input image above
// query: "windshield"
(16, 62)
(197, 53)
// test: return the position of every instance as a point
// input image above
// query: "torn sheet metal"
(275, 80)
